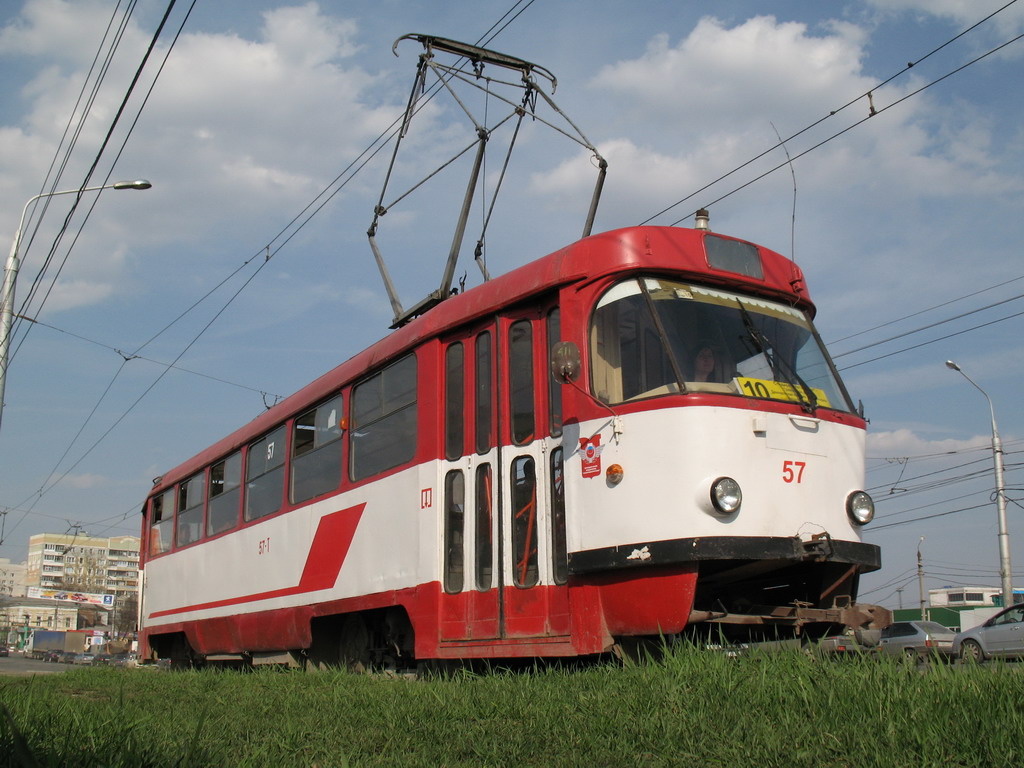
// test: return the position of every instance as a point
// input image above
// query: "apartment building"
(84, 563)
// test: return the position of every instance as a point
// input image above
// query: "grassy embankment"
(691, 709)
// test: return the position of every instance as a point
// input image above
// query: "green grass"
(692, 709)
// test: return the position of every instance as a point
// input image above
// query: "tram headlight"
(860, 507)
(726, 495)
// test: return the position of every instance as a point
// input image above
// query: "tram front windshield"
(654, 336)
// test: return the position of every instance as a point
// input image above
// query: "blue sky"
(909, 223)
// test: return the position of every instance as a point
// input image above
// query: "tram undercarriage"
(773, 597)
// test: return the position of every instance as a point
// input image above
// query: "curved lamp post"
(11, 272)
(1005, 574)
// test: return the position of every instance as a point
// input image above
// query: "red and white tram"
(635, 434)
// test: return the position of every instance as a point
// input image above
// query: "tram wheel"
(354, 644)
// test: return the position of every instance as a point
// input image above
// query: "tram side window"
(225, 494)
(520, 354)
(484, 393)
(484, 542)
(383, 431)
(190, 510)
(454, 530)
(161, 523)
(454, 401)
(524, 522)
(264, 476)
(316, 451)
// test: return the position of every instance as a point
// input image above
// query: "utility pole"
(920, 578)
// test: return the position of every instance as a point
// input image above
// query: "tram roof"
(632, 249)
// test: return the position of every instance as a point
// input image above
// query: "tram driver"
(710, 365)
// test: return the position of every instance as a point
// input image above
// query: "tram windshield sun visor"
(655, 336)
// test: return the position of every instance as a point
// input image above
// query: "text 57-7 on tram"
(639, 434)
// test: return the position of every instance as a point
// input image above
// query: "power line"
(928, 517)
(133, 356)
(866, 94)
(266, 252)
(929, 326)
(110, 131)
(871, 113)
(928, 309)
(95, 163)
(931, 341)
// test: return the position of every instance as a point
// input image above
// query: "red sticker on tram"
(590, 454)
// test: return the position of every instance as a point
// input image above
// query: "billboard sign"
(85, 598)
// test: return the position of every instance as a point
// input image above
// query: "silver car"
(1000, 636)
(916, 639)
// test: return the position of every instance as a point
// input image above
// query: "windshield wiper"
(778, 365)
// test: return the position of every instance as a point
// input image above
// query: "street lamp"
(1005, 573)
(11, 272)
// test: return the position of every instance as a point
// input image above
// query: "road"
(16, 664)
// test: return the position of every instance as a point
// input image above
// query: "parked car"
(1001, 636)
(840, 645)
(68, 657)
(53, 656)
(100, 659)
(83, 658)
(125, 659)
(917, 639)
(4, 651)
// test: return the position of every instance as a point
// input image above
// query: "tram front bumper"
(764, 549)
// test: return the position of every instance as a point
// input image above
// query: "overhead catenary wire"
(832, 113)
(874, 112)
(937, 323)
(135, 356)
(289, 238)
(267, 252)
(95, 163)
(92, 169)
(960, 297)
(930, 341)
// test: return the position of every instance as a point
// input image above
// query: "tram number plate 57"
(793, 471)
(264, 546)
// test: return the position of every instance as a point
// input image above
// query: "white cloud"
(717, 76)
(305, 36)
(234, 126)
(62, 30)
(709, 103)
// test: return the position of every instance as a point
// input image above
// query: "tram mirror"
(565, 361)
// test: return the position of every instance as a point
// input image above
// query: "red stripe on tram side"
(326, 555)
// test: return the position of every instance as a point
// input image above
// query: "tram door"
(503, 522)
(532, 502)
(470, 607)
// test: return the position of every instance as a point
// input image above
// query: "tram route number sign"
(778, 390)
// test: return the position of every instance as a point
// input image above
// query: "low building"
(12, 578)
(19, 616)
(970, 597)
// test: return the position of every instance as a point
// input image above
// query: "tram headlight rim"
(860, 508)
(726, 500)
